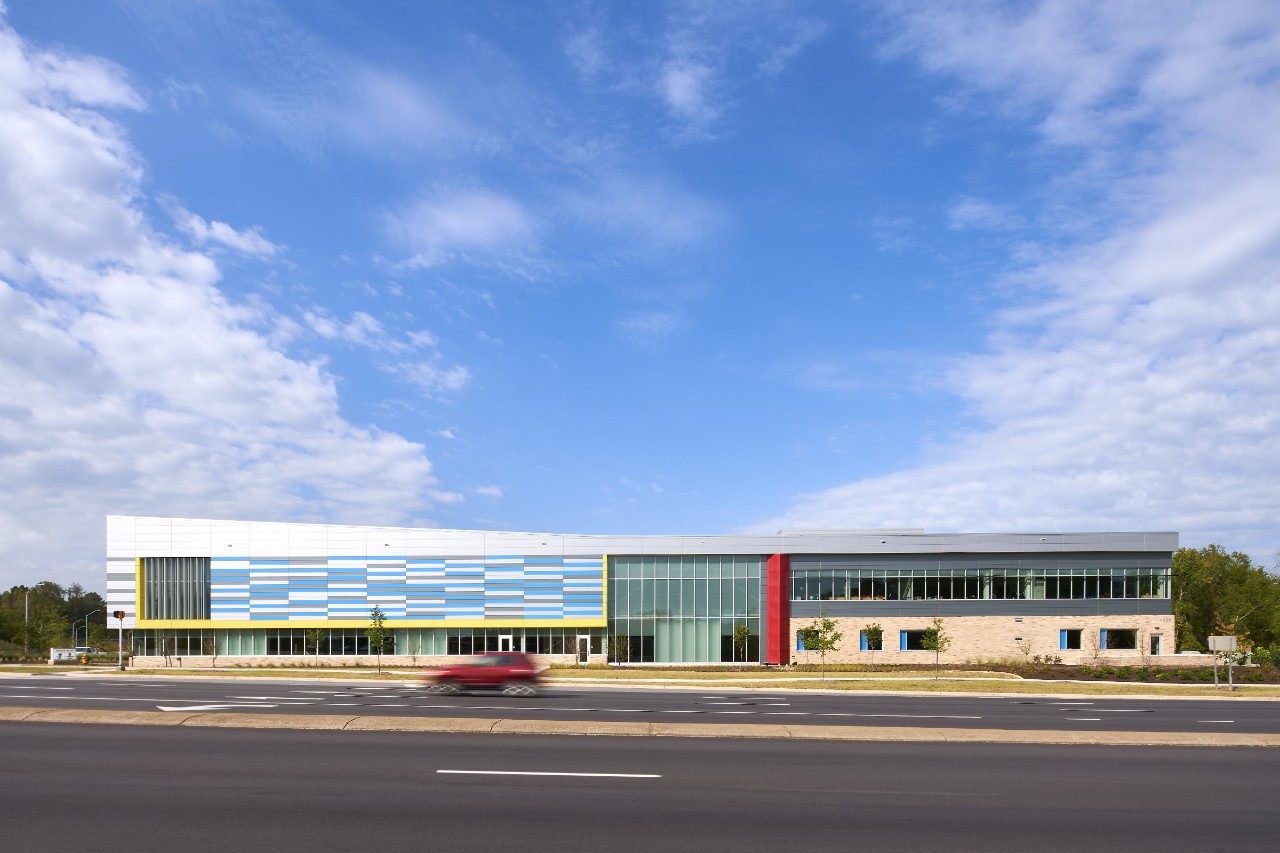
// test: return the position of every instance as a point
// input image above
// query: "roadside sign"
(1223, 644)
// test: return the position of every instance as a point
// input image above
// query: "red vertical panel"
(778, 609)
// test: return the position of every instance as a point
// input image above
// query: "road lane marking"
(284, 698)
(1123, 710)
(774, 704)
(786, 713)
(548, 773)
(728, 703)
(735, 712)
(1073, 703)
(1215, 721)
(35, 687)
(212, 707)
(1084, 719)
(903, 716)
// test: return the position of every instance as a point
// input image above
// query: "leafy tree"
(209, 646)
(619, 648)
(377, 632)
(935, 640)
(741, 637)
(1215, 592)
(821, 637)
(314, 637)
(875, 636)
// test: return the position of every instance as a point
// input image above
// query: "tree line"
(40, 617)
(1221, 593)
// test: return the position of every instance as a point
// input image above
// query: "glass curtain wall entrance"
(684, 609)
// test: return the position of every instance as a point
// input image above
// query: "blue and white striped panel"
(496, 587)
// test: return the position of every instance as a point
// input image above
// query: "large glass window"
(702, 609)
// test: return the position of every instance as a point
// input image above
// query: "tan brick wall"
(984, 638)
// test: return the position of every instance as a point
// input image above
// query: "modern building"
(250, 590)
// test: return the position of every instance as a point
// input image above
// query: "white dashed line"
(905, 716)
(536, 773)
(1215, 721)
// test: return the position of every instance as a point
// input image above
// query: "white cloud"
(464, 225)
(432, 376)
(130, 382)
(1136, 385)
(647, 212)
(652, 328)
(491, 492)
(249, 241)
(975, 214)
(683, 85)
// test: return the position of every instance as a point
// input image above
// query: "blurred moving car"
(512, 673)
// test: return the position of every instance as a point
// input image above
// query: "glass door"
(506, 643)
(584, 648)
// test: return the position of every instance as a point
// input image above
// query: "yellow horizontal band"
(391, 625)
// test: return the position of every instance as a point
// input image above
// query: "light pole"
(119, 614)
(26, 619)
(85, 620)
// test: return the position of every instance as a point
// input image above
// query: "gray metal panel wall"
(986, 607)
(1074, 560)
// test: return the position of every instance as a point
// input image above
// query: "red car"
(513, 673)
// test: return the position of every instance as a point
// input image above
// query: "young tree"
(821, 637)
(875, 637)
(935, 640)
(314, 637)
(1024, 646)
(741, 637)
(377, 632)
(1094, 641)
(619, 648)
(209, 645)
(168, 645)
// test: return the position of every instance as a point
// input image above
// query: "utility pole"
(26, 619)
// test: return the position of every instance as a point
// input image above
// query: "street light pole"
(26, 619)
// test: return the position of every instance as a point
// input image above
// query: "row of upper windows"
(975, 584)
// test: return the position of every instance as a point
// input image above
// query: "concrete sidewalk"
(358, 723)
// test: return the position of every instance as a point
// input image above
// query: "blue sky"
(638, 267)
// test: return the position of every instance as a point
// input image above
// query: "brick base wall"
(988, 638)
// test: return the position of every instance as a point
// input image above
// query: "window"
(1155, 644)
(1119, 639)
(870, 641)
(1069, 639)
(911, 641)
(800, 641)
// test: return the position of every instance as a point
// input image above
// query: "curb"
(470, 725)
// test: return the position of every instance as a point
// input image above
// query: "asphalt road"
(574, 702)
(90, 788)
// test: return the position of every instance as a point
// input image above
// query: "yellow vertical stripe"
(137, 594)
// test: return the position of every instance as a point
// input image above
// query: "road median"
(500, 725)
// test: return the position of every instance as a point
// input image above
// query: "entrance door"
(584, 648)
(1156, 645)
(506, 643)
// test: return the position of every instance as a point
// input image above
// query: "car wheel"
(519, 688)
(445, 688)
